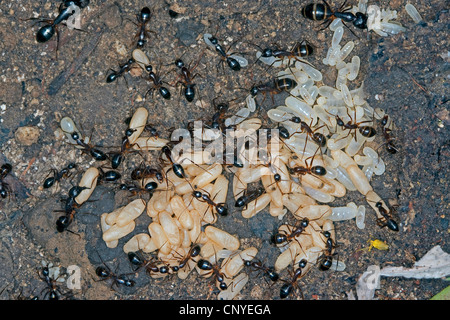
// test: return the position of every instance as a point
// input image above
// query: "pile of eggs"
(303, 177)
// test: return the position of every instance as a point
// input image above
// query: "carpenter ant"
(221, 208)
(245, 199)
(143, 19)
(157, 84)
(234, 62)
(386, 220)
(58, 175)
(66, 10)
(390, 147)
(309, 169)
(269, 271)
(299, 49)
(105, 273)
(97, 154)
(114, 75)
(185, 79)
(365, 131)
(52, 289)
(144, 172)
(141, 263)
(323, 12)
(215, 270)
(281, 238)
(176, 167)
(287, 288)
(274, 87)
(327, 259)
(5, 169)
(108, 176)
(194, 252)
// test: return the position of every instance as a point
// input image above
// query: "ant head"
(179, 63)
(339, 121)
(148, 68)
(222, 107)
(75, 135)
(302, 263)
(361, 20)
(213, 40)
(254, 91)
(267, 53)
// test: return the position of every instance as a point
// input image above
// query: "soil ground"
(405, 74)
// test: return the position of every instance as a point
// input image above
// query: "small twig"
(60, 80)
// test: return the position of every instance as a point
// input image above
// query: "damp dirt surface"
(405, 74)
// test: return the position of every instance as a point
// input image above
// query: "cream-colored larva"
(89, 181)
(149, 143)
(210, 174)
(105, 226)
(181, 212)
(137, 123)
(222, 238)
(287, 256)
(159, 237)
(141, 241)
(234, 264)
(170, 228)
(130, 212)
(116, 232)
(256, 205)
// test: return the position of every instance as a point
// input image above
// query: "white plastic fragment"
(433, 265)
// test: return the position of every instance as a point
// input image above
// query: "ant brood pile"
(321, 132)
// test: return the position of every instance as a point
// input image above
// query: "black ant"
(66, 10)
(386, 220)
(105, 273)
(248, 197)
(143, 19)
(390, 147)
(299, 49)
(323, 12)
(230, 58)
(221, 208)
(52, 289)
(144, 172)
(185, 79)
(287, 288)
(327, 259)
(269, 271)
(141, 263)
(273, 87)
(215, 270)
(97, 154)
(5, 169)
(157, 84)
(58, 175)
(123, 68)
(282, 238)
(365, 131)
(176, 167)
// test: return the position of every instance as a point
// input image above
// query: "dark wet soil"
(406, 75)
